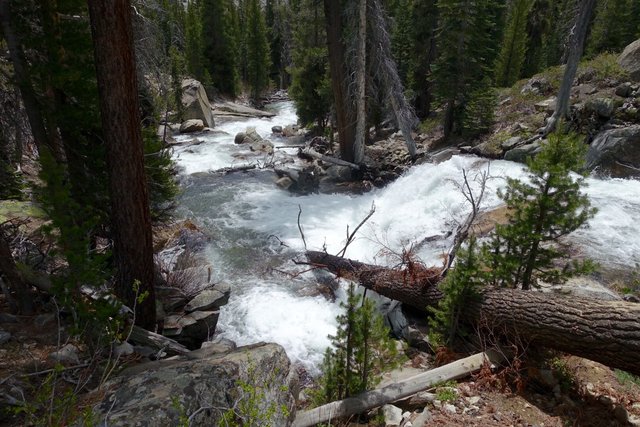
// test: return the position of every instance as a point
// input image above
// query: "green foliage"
(606, 67)
(478, 116)
(625, 378)
(615, 26)
(253, 408)
(446, 392)
(12, 184)
(361, 350)
(310, 86)
(467, 54)
(543, 209)
(514, 44)
(563, 373)
(220, 45)
(194, 44)
(258, 55)
(160, 171)
(460, 287)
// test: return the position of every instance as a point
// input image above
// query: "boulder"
(290, 130)
(603, 107)
(511, 142)
(536, 86)
(191, 329)
(239, 138)
(521, 154)
(546, 106)
(196, 103)
(392, 416)
(491, 149)
(276, 129)
(263, 146)
(67, 355)
(209, 299)
(624, 90)
(256, 380)
(233, 109)
(191, 125)
(616, 152)
(629, 60)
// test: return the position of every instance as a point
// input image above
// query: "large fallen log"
(604, 331)
(394, 392)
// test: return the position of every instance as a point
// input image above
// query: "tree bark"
(575, 53)
(361, 68)
(604, 331)
(130, 217)
(345, 116)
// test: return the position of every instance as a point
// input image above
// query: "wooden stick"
(393, 392)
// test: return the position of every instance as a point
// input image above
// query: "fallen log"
(394, 392)
(603, 331)
(312, 153)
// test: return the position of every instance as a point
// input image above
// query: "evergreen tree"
(465, 57)
(514, 44)
(310, 87)
(194, 47)
(257, 50)
(543, 209)
(539, 23)
(615, 26)
(361, 350)
(220, 48)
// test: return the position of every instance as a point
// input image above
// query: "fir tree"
(194, 48)
(220, 48)
(466, 55)
(615, 26)
(543, 209)
(257, 50)
(360, 350)
(514, 44)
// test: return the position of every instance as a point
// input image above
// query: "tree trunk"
(604, 331)
(130, 217)
(579, 34)
(345, 116)
(361, 68)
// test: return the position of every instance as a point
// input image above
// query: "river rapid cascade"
(255, 236)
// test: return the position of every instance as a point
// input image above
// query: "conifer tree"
(543, 209)
(220, 47)
(194, 48)
(465, 57)
(257, 50)
(514, 44)
(615, 25)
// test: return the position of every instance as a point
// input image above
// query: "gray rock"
(536, 86)
(582, 286)
(603, 107)
(8, 318)
(397, 320)
(491, 149)
(123, 349)
(44, 319)
(339, 173)
(276, 129)
(159, 393)
(473, 400)
(191, 125)
(629, 60)
(285, 182)
(392, 416)
(290, 130)
(444, 155)
(450, 408)
(191, 329)
(521, 154)
(209, 299)
(4, 337)
(423, 419)
(547, 106)
(239, 138)
(616, 152)
(234, 109)
(262, 146)
(511, 142)
(67, 355)
(195, 103)
(221, 345)
(624, 90)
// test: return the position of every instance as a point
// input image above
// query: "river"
(255, 233)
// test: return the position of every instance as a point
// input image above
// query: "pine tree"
(257, 50)
(361, 350)
(543, 209)
(514, 44)
(194, 48)
(466, 55)
(615, 26)
(220, 47)
(539, 23)
(310, 87)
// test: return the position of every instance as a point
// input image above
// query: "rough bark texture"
(117, 85)
(604, 331)
(361, 68)
(345, 116)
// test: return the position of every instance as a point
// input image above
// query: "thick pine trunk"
(345, 115)
(604, 331)
(130, 217)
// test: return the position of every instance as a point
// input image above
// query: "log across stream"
(604, 331)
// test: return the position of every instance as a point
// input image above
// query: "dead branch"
(312, 153)
(352, 235)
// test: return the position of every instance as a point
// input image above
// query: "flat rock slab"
(162, 393)
(209, 299)
(231, 108)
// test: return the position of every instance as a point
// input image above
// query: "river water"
(255, 233)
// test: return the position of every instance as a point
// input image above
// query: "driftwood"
(603, 331)
(394, 392)
(157, 341)
(312, 153)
